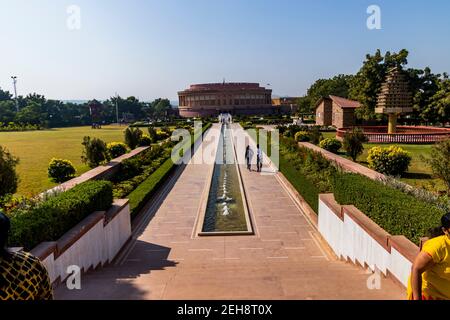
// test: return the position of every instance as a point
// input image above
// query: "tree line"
(431, 91)
(35, 109)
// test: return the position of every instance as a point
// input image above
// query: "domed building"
(236, 98)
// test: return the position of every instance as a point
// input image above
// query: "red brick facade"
(211, 99)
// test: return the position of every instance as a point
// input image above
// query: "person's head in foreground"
(22, 276)
(430, 279)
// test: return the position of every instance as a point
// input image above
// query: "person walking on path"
(248, 157)
(430, 272)
(22, 275)
(258, 158)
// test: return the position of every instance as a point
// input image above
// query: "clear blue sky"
(155, 48)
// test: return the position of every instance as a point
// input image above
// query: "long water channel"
(225, 211)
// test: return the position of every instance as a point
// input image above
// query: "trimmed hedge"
(50, 219)
(301, 183)
(396, 212)
(139, 196)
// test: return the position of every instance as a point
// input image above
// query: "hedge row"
(396, 212)
(52, 218)
(308, 171)
(393, 210)
(139, 196)
(301, 183)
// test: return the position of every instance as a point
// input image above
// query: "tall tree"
(338, 86)
(366, 85)
(424, 85)
(440, 102)
(5, 95)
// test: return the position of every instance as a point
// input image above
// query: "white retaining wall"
(88, 249)
(354, 237)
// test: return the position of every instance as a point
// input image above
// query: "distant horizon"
(81, 52)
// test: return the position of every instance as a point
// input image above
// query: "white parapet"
(356, 238)
(94, 242)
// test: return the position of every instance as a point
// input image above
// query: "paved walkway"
(282, 261)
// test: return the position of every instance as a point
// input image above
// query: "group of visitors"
(249, 156)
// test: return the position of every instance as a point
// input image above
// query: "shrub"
(8, 176)
(152, 134)
(291, 130)
(95, 151)
(116, 149)
(440, 162)
(133, 137)
(145, 140)
(129, 168)
(50, 219)
(60, 170)
(330, 144)
(396, 212)
(315, 136)
(162, 135)
(301, 136)
(353, 143)
(392, 160)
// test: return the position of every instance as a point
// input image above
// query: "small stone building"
(336, 111)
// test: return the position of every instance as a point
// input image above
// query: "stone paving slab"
(282, 261)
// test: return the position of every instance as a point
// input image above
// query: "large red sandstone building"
(211, 99)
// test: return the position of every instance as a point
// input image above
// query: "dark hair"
(445, 224)
(4, 230)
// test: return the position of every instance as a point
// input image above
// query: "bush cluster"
(137, 169)
(145, 141)
(95, 152)
(132, 137)
(116, 149)
(60, 170)
(392, 160)
(13, 126)
(331, 144)
(301, 136)
(8, 175)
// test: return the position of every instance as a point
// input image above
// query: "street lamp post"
(14, 78)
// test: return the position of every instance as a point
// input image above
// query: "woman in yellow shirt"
(430, 272)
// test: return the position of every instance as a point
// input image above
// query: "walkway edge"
(308, 212)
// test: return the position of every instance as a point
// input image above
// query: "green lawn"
(36, 148)
(419, 173)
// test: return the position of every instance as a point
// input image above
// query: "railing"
(405, 134)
